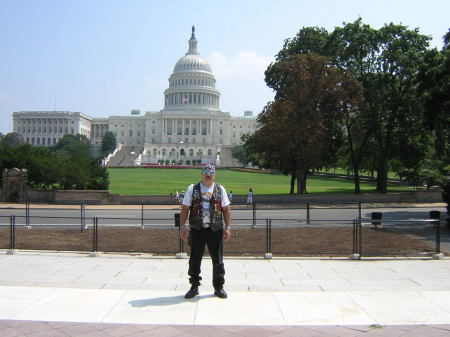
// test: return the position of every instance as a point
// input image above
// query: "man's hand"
(183, 233)
(183, 216)
(227, 217)
(227, 234)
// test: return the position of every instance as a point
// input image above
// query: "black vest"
(215, 206)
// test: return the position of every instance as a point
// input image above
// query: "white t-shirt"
(206, 192)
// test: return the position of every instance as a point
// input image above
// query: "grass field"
(154, 181)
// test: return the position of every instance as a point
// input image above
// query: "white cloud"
(240, 79)
(245, 63)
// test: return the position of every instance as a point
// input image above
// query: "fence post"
(359, 238)
(27, 215)
(142, 216)
(359, 209)
(181, 254)
(437, 223)
(268, 254)
(354, 237)
(254, 216)
(307, 213)
(83, 217)
(267, 235)
(308, 218)
(355, 251)
(12, 222)
(95, 239)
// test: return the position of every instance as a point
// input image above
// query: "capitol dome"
(192, 62)
(192, 83)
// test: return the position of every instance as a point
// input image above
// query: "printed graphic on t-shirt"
(206, 197)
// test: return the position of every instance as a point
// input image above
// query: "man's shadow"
(165, 301)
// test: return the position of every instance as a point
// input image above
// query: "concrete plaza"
(72, 294)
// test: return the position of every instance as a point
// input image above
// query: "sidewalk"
(71, 294)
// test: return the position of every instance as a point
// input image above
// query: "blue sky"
(106, 57)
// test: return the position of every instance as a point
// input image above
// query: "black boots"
(220, 293)
(192, 292)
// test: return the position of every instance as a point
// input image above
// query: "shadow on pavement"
(165, 301)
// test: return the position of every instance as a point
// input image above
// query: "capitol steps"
(226, 157)
(126, 156)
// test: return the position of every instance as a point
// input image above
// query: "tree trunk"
(382, 174)
(356, 180)
(305, 176)
(292, 183)
(301, 181)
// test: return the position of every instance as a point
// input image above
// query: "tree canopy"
(108, 143)
(67, 165)
(302, 124)
(386, 113)
(12, 139)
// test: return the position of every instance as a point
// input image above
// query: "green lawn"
(164, 181)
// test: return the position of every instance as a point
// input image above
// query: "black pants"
(199, 239)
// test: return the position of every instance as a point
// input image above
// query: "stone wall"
(40, 196)
(106, 198)
(403, 197)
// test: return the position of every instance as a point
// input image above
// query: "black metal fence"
(398, 237)
(299, 233)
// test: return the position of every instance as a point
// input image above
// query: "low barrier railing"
(357, 238)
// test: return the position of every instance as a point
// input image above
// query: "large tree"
(108, 143)
(385, 62)
(66, 166)
(434, 90)
(303, 122)
(74, 145)
(12, 139)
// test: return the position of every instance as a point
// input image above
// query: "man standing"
(208, 208)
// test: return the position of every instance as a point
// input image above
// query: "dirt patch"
(330, 241)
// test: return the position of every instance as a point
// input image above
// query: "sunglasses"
(208, 172)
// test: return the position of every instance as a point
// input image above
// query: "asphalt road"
(165, 217)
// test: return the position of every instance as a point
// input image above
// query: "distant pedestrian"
(249, 197)
(177, 198)
(230, 196)
(181, 197)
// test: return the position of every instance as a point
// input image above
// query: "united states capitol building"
(190, 127)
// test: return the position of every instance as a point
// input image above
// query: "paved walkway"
(72, 294)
